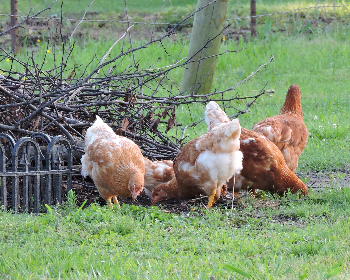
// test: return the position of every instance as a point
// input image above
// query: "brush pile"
(140, 104)
(30, 102)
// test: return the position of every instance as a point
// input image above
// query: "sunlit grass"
(266, 238)
(317, 62)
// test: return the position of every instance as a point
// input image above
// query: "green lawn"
(317, 62)
(261, 238)
(73, 7)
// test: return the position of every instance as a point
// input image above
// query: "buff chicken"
(287, 130)
(157, 172)
(115, 163)
(264, 167)
(204, 165)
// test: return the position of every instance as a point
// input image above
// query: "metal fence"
(34, 171)
(253, 16)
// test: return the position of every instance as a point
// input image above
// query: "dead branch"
(66, 101)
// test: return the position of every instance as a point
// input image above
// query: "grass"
(265, 238)
(155, 6)
(285, 239)
(315, 57)
(320, 69)
(172, 11)
(317, 63)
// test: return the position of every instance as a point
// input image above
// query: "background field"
(263, 238)
(310, 49)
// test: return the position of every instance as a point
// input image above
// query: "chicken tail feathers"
(86, 166)
(238, 162)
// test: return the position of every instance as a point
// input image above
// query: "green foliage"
(175, 15)
(265, 30)
(264, 238)
(239, 271)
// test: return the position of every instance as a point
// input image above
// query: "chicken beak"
(134, 193)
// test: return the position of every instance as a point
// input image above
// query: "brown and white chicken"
(115, 163)
(287, 130)
(204, 165)
(264, 167)
(170, 189)
(157, 172)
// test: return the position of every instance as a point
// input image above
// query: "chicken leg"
(211, 200)
(214, 196)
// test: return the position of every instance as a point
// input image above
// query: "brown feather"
(287, 130)
(115, 163)
(157, 172)
(264, 166)
(204, 165)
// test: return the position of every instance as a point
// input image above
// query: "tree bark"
(205, 41)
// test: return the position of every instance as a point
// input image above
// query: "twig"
(110, 49)
(27, 17)
(76, 27)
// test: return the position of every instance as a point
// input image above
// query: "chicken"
(157, 172)
(263, 163)
(170, 189)
(264, 167)
(287, 130)
(115, 163)
(204, 165)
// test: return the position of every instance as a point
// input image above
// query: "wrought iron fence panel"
(36, 178)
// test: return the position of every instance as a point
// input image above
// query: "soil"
(319, 181)
(316, 181)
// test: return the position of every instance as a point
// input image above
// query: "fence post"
(23, 145)
(208, 23)
(53, 162)
(3, 187)
(253, 18)
(14, 31)
(42, 166)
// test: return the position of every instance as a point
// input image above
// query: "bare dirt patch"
(316, 182)
(320, 181)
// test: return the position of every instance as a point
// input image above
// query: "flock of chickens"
(227, 157)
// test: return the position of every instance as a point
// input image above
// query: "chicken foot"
(115, 201)
(214, 196)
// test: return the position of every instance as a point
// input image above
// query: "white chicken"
(114, 163)
(204, 165)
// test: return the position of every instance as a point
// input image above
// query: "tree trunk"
(207, 23)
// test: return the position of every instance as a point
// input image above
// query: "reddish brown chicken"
(115, 163)
(157, 172)
(287, 130)
(264, 167)
(169, 190)
(204, 165)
